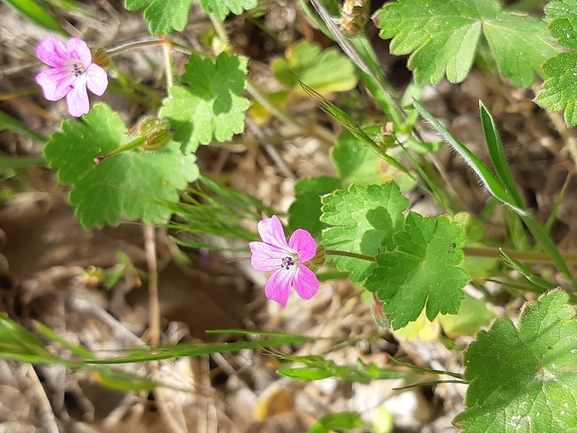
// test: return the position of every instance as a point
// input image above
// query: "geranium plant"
(360, 223)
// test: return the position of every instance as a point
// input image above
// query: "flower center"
(287, 263)
(77, 69)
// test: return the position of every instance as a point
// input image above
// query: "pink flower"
(72, 71)
(287, 260)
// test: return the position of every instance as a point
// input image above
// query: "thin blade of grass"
(486, 176)
(35, 12)
(551, 220)
(493, 185)
(180, 350)
(350, 125)
(360, 51)
(526, 272)
(8, 122)
(498, 155)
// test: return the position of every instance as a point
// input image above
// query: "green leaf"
(163, 16)
(473, 314)
(36, 13)
(442, 38)
(337, 422)
(211, 104)
(354, 162)
(523, 378)
(362, 219)
(420, 270)
(563, 26)
(221, 8)
(324, 71)
(305, 212)
(560, 89)
(131, 184)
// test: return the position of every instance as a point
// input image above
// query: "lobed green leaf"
(324, 71)
(163, 16)
(362, 220)
(522, 378)
(442, 38)
(419, 269)
(560, 89)
(210, 104)
(563, 26)
(132, 184)
(221, 8)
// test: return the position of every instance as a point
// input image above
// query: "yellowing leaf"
(324, 71)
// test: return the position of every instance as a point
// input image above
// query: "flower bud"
(354, 16)
(148, 134)
(156, 132)
(379, 315)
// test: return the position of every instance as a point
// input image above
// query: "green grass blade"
(16, 342)
(517, 232)
(526, 272)
(360, 51)
(488, 179)
(21, 162)
(493, 185)
(551, 220)
(32, 10)
(193, 349)
(350, 125)
(498, 156)
(549, 247)
(50, 334)
(8, 122)
(504, 174)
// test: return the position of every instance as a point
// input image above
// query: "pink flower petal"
(52, 51)
(306, 282)
(272, 232)
(78, 50)
(55, 83)
(97, 79)
(278, 286)
(304, 244)
(77, 98)
(265, 257)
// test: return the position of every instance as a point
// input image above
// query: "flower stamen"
(77, 70)
(287, 263)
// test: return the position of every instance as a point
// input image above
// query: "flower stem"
(119, 49)
(525, 256)
(132, 144)
(353, 255)
(168, 65)
(220, 30)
